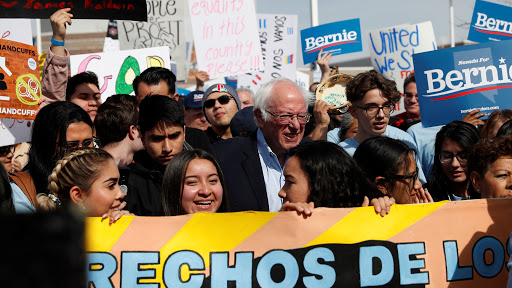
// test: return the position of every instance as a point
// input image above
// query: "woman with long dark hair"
(449, 179)
(58, 128)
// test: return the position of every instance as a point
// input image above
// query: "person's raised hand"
(473, 117)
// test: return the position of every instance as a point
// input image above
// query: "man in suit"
(253, 165)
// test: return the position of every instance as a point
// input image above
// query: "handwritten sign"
(111, 43)
(302, 80)
(391, 51)
(278, 39)
(225, 37)
(490, 22)
(352, 247)
(116, 71)
(452, 82)
(19, 30)
(338, 38)
(81, 9)
(165, 27)
(13, 131)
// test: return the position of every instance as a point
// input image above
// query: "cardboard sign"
(391, 51)
(452, 82)
(225, 37)
(19, 30)
(278, 39)
(81, 9)
(116, 71)
(339, 38)
(302, 80)
(13, 131)
(354, 247)
(20, 87)
(165, 27)
(490, 22)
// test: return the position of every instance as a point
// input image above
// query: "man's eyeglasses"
(224, 99)
(5, 150)
(447, 157)
(286, 119)
(71, 145)
(373, 110)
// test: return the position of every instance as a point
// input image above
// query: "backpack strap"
(26, 184)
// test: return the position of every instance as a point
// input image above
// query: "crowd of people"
(228, 150)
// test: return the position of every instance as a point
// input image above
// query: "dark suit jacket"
(240, 163)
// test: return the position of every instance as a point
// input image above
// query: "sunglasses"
(224, 99)
(71, 145)
(5, 150)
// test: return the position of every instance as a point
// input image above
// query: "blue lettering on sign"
(498, 253)
(172, 269)
(130, 272)
(221, 273)
(277, 257)
(401, 41)
(100, 277)
(453, 271)
(366, 255)
(312, 266)
(404, 251)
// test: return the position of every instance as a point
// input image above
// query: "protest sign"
(302, 80)
(338, 38)
(116, 71)
(452, 82)
(165, 27)
(352, 247)
(278, 39)
(111, 43)
(490, 22)
(13, 131)
(20, 87)
(225, 37)
(391, 51)
(81, 9)
(19, 30)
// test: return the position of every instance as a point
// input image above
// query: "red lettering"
(38, 6)
(8, 5)
(193, 8)
(130, 7)
(29, 4)
(88, 4)
(98, 7)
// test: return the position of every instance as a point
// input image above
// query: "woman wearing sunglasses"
(391, 165)
(449, 179)
(59, 128)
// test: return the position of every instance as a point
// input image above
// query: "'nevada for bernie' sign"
(452, 82)
(338, 38)
(491, 22)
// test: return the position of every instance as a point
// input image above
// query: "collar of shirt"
(272, 172)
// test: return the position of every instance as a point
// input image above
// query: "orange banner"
(445, 244)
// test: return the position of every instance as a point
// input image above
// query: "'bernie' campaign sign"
(338, 38)
(491, 22)
(452, 82)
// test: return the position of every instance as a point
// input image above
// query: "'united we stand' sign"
(452, 82)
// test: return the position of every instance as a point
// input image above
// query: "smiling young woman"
(193, 182)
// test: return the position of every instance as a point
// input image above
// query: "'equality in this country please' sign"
(452, 82)
(338, 38)
(490, 22)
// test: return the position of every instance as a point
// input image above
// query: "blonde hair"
(79, 168)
